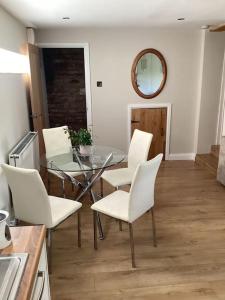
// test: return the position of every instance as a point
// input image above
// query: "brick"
(65, 84)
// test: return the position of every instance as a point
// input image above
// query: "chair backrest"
(56, 141)
(139, 148)
(142, 187)
(30, 199)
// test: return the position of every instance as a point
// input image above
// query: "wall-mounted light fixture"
(12, 62)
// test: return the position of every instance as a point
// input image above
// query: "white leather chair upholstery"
(33, 205)
(138, 152)
(57, 142)
(128, 207)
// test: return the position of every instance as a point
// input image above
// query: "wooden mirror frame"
(133, 72)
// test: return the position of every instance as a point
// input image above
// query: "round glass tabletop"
(74, 161)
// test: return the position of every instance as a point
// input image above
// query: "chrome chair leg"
(95, 229)
(101, 187)
(63, 188)
(120, 222)
(153, 228)
(98, 219)
(132, 245)
(79, 229)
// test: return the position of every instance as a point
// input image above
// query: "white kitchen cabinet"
(41, 289)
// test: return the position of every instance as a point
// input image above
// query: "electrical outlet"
(99, 83)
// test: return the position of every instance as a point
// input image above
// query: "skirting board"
(182, 156)
(176, 156)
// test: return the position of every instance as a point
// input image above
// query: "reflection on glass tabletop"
(94, 160)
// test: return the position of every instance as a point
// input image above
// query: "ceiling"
(120, 13)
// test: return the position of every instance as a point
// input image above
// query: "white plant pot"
(85, 150)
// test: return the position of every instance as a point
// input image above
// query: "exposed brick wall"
(65, 84)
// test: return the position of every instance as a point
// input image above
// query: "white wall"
(13, 108)
(210, 91)
(112, 52)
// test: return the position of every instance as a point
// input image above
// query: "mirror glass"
(149, 73)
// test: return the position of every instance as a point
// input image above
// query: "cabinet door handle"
(39, 286)
(133, 121)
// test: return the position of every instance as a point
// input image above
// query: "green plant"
(81, 137)
(84, 137)
(73, 136)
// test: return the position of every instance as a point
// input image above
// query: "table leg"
(79, 194)
(101, 234)
(87, 186)
(99, 223)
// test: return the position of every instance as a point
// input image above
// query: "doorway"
(220, 131)
(68, 91)
(65, 87)
(153, 118)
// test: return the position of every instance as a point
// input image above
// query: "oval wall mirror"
(148, 74)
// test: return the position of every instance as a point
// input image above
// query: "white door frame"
(168, 121)
(85, 46)
(220, 118)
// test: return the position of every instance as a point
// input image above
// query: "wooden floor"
(189, 262)
(209, 160)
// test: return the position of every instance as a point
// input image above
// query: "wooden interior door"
(36, 94)
(151, 120)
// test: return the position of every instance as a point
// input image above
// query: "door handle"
(133, 121)
(35, 115)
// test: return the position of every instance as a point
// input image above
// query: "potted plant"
(85, 141)
(81, 139)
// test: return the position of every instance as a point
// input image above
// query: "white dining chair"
(129, 206)
(57, 142)
(138, 152)
(32, 204)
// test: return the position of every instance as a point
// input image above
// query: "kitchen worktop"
(27, 239)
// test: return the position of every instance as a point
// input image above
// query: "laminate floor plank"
(188, 264)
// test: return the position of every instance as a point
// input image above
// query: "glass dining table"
(90, 166)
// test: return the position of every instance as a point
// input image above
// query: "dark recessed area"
(65, 87)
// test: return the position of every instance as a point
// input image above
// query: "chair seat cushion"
(115, 205)
(62, 208)
(118, 177)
